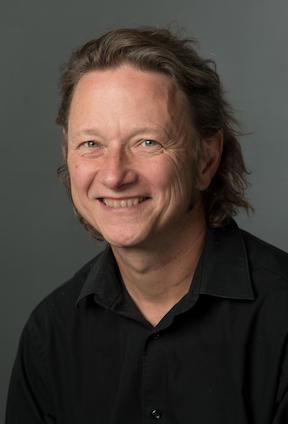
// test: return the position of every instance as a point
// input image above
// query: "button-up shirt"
(87, 355)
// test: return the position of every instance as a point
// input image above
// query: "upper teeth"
(123, 203)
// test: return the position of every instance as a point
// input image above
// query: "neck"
(159, 276)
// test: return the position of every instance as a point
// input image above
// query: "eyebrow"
(88, 131)
(136, 131)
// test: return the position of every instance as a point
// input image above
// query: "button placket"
(153, 378)
(156, 336)
(156, 414)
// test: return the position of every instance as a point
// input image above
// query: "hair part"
(159, 50)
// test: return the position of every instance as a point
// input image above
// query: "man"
(183, 318)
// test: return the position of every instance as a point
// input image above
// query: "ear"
(212, 148)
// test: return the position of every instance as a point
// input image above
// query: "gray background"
(42, 244)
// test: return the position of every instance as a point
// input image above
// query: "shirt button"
(156, 336)
(156, 414)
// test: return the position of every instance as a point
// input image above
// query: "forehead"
(126, 95)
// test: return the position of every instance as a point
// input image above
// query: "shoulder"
(59, 309)
(266, 258)
(268, 267)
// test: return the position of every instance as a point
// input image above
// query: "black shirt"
(219, 356)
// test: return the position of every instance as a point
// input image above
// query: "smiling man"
(183, 317)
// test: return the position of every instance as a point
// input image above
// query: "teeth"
(123, 203)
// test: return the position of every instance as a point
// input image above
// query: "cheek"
(160, 174)
(181, 174)
(80, 176)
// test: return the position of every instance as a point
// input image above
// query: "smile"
(122, 203)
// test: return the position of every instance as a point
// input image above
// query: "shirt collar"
(104, 280)
(224, 267)
(223, 270)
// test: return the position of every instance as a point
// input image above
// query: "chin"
(121, 240)
(122, 244)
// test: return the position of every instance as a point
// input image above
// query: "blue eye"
(150, 143)
(90, 144)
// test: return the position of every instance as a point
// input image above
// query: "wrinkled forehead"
(129, 95)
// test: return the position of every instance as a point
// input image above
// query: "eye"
(150, 143)
(90, 148)
(90, 145)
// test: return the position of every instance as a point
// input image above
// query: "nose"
(116, 171)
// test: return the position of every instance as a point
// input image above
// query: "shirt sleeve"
(30, 395)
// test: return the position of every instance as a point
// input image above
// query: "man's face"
(130, 156)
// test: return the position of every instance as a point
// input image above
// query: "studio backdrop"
(42, 243)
